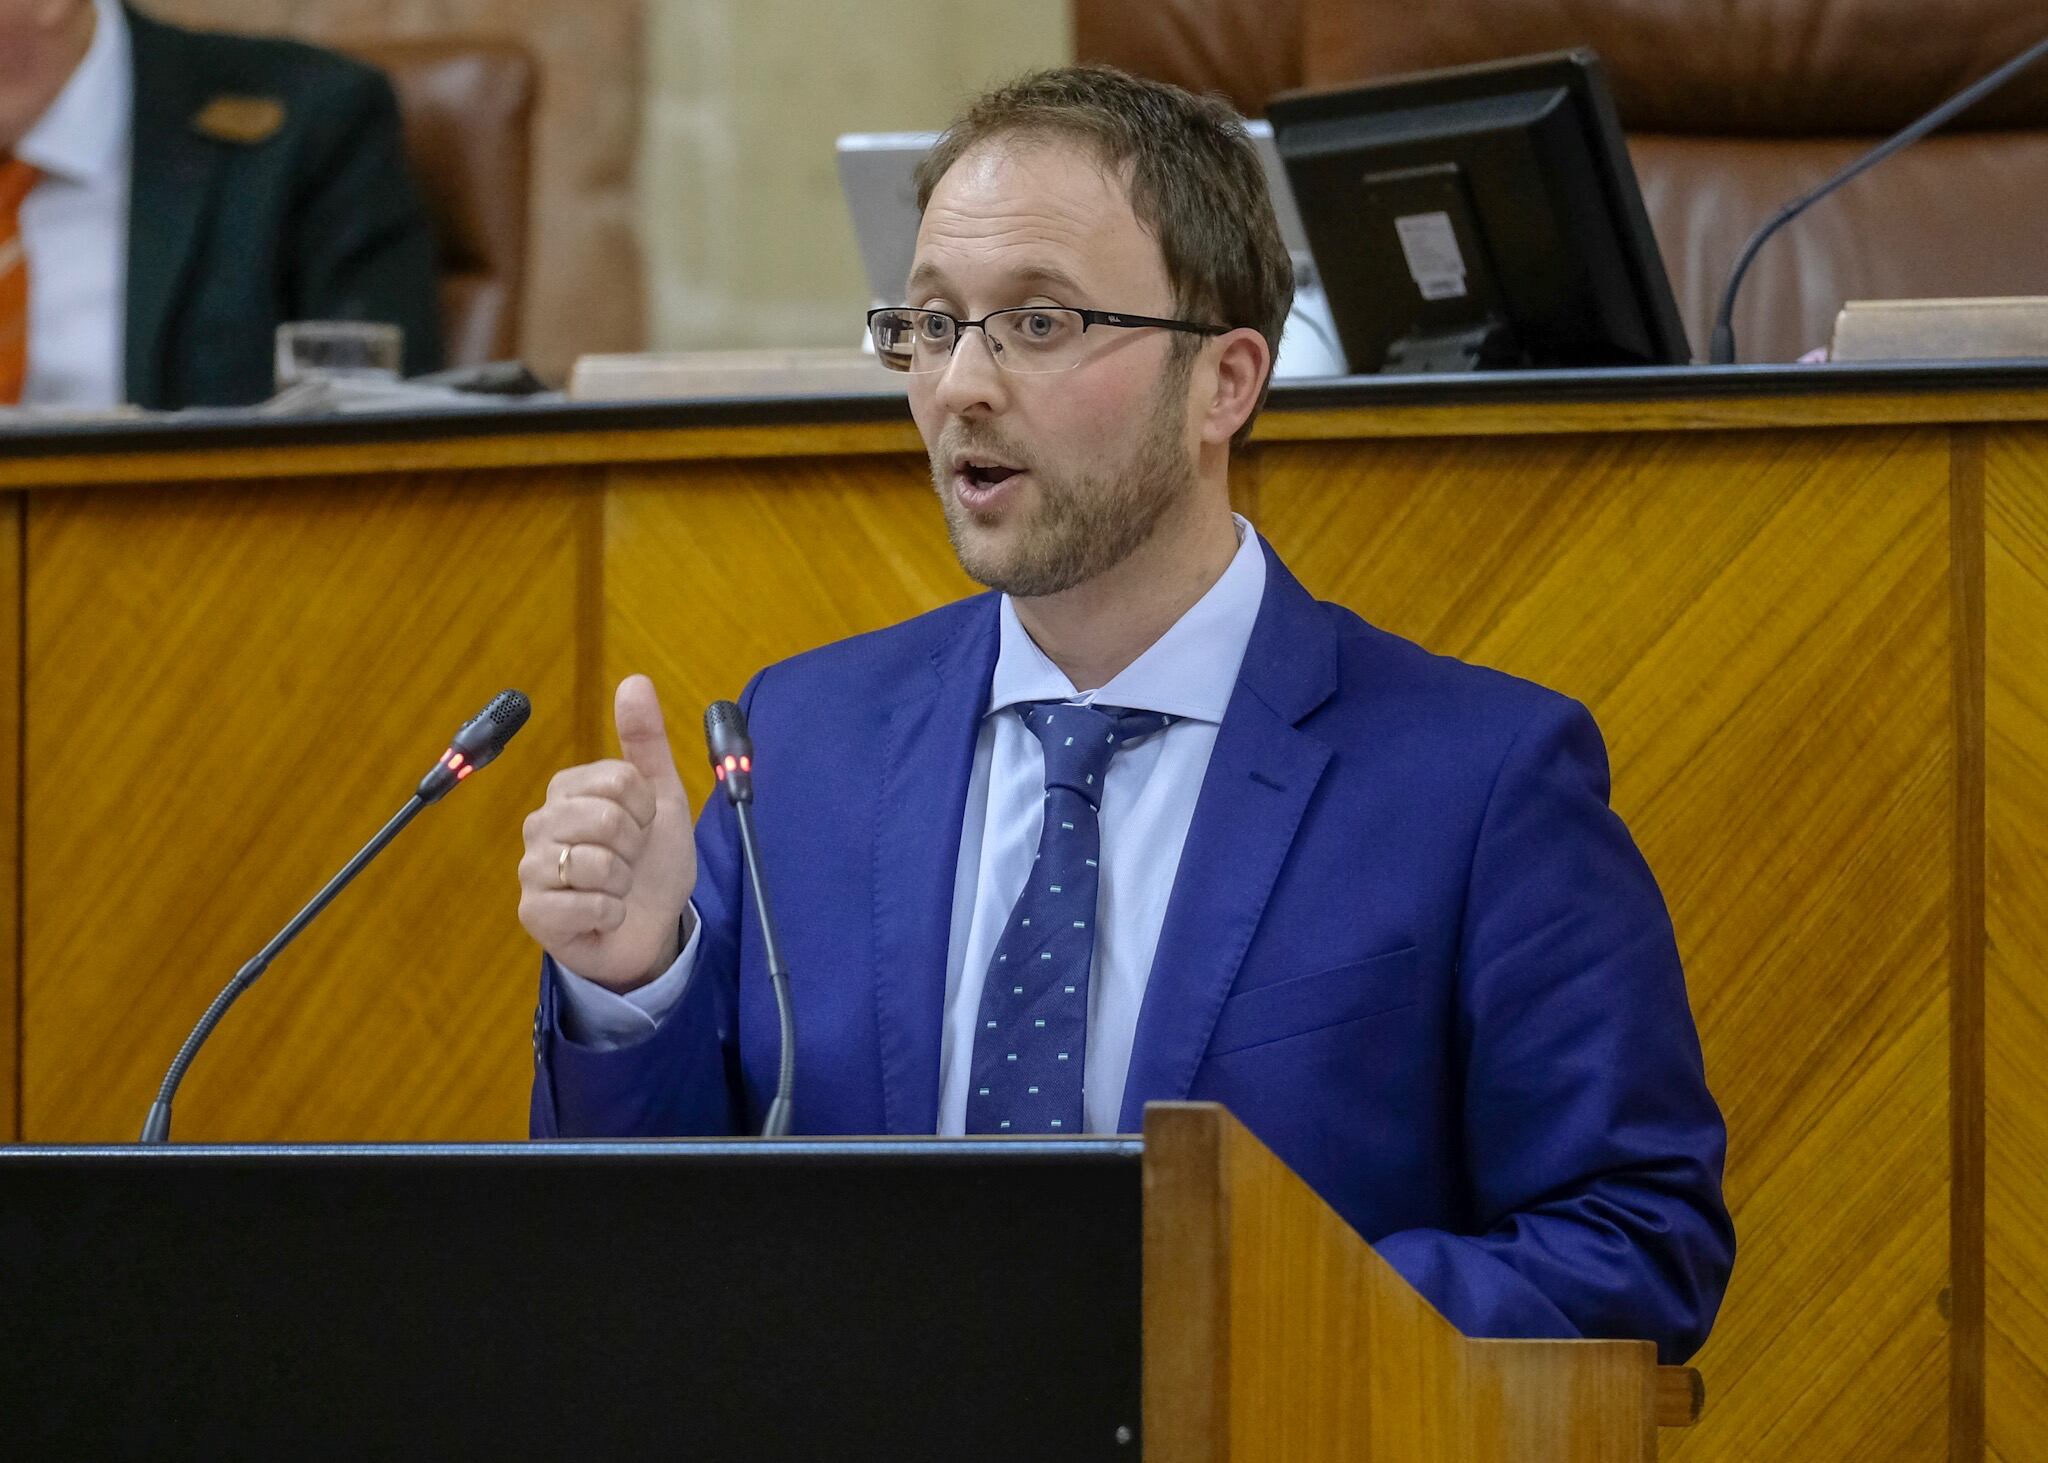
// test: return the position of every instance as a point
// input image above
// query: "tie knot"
(1079, 741)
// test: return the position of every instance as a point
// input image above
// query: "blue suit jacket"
(1409, 946)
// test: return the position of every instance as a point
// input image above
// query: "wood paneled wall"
(230, 689)
(1810, 631)
(1764, 637)
(10, 817)
(2015, 988)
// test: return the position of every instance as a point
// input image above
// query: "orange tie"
(16, 178)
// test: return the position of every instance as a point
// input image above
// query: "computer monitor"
(1484, 217)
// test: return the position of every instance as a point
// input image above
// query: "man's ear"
(1242, 362)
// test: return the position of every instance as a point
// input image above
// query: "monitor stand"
(1479, 348)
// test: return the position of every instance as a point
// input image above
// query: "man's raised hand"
(610, 860)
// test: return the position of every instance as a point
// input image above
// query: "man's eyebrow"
(930, 277)
(1053, 275)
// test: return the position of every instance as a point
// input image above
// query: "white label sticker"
(1431, 247)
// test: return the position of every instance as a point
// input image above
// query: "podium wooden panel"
(1806, 613)
(1272, 1333)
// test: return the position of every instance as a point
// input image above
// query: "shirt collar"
(1190, 671)
(82, 136)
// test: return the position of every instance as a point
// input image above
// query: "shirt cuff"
(596, 1016)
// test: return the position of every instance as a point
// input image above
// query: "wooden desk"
(1807, 609)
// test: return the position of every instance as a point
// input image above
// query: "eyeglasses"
(1030, 338)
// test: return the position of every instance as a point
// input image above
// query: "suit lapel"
(173, 176)
(1261, 775)
(931, 736)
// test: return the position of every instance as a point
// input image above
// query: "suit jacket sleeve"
(682, 1079)
(361, 246)
(1592, 1145)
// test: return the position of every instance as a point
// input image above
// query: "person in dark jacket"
(180, 194)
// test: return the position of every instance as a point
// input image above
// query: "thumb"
(643, 738)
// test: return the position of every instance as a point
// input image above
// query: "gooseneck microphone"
(476, 745)
(732, 762)
(1722, 350)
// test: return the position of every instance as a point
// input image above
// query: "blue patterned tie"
(1033, 1031)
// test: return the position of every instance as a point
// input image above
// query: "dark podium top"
(729, 1301)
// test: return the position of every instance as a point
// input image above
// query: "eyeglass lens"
(1029, 339)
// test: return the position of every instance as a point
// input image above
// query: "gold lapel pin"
(239, 119)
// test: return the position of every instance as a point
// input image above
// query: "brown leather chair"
(1731, 110)
(1248, 50)
(468, 107)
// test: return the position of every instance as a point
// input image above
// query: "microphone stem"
(778, 1121)
(158, 1128)
(1721, 352)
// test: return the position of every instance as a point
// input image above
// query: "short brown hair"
(1194, 178)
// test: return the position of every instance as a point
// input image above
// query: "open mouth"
(984, 487)
(986, 475)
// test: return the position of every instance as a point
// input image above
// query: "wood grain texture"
(1273, 1332)
(479, 448)
(2016, 964)
(1966, 949)
(10, 818)
(748, 563)
(500, 440)
(1563, 1401)
(1760, 624)
(1188, 1385)
(231, 689)
(1681, 1396)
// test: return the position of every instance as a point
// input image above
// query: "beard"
(1081, 524)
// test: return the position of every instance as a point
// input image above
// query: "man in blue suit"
(1148, 821)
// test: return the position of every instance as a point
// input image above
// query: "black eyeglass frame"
(1116, 318)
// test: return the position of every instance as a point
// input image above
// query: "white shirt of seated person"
(74, 226)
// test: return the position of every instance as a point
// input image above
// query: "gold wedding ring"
(562, 866)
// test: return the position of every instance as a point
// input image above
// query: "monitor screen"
(1485, 217)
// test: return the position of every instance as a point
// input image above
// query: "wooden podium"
(1273, 1332)
(1184, 1298)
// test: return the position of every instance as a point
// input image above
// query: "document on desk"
(707, 375)
(1987, 328)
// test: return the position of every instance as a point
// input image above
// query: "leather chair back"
(467, 105)
(1732, 109)
(1248, 50)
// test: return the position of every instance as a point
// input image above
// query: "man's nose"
(971, 376)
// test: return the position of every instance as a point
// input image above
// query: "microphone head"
(481, 739)
(731, 749)
(484, 735)
(725, 731)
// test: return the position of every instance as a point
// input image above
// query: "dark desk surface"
(229, 430)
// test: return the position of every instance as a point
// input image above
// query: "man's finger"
(612, 779)
(586, 820)
(643, 739)
(555, 915)
(589, 867)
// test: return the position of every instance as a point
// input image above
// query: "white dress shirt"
(74, 226)
(1148, 803)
